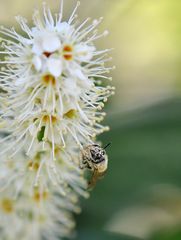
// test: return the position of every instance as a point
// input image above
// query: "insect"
(94, 158)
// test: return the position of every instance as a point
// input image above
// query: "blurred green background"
(140, 197)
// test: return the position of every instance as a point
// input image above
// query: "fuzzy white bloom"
(36, 208)
(51, 104)
(41, 215)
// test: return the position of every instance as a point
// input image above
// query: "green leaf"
(40, 134)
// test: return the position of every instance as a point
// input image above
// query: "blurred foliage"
(101, 235)
(174, 234)
(145, 151)
(146, 36)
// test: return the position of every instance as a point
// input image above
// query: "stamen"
(49, 79)
(47, 118)
(71, 114)
(47, 54)
(7, 205)
(67, 52)
(38, 196)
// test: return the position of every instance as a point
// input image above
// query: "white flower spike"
(51, 107)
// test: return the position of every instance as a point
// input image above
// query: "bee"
(94, 158)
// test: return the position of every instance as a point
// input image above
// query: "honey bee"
(94, 158)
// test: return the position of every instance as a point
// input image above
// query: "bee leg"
(81, 166)
(84, 164)
(84, 160)
(93, 180)
(89, 166)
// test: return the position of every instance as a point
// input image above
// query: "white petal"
(82, 79)
(78, 73)
(84, 52)
(86, 84)
(32, 130)
(37, 47)
(20, 81)
(70, 87)
(63, 27)
(51, 43)
(54, 66)
(37, 63)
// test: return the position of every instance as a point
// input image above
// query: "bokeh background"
(140, 197)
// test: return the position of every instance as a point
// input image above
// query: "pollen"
(57, 150)
(54, 119)
(71, 114)
(67, 52)
(33, 165)
(38, 196)
(7, 205)
(47, 118)
(49, 79)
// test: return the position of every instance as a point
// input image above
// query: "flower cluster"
(51, 101)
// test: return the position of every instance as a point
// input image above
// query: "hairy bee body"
(94, 158)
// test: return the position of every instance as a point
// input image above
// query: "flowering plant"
(51, 101)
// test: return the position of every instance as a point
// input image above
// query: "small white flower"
(45, 41)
